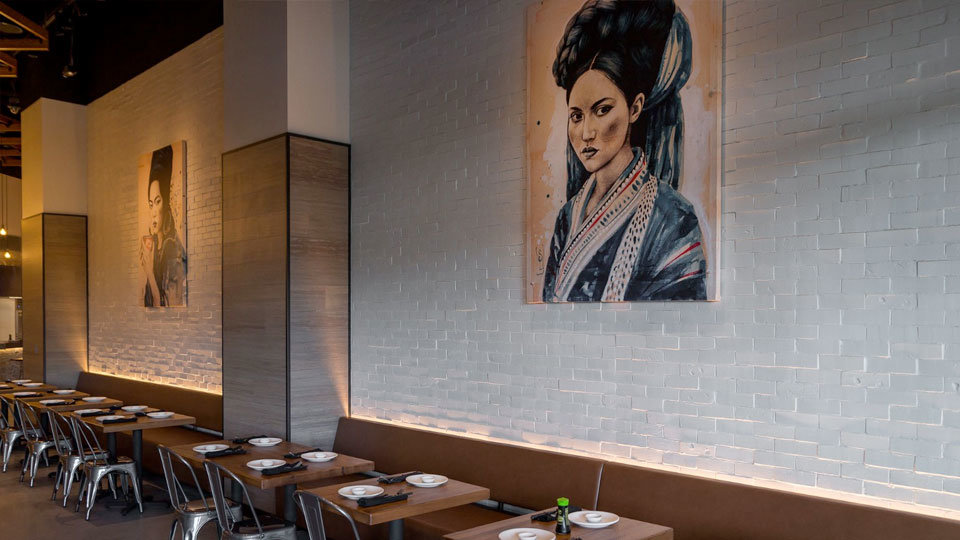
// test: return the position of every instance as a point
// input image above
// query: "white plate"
(134, 408)
(160, 414)
(265, 441)
(109, 417)
(369, 491)
(261, 464)
(20, 381)
(64, 392)
(51, 401)
(606, 519)
(417, 480)
(319, 457)
(207, 448)
(88, 411)
(514, 534)
(31, 384)
(18, 394)
(94, 399)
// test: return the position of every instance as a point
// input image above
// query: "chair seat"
(196, 506)
(268, 523)
(96, 461)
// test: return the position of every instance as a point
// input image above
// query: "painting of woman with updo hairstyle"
(163, 259)
(610, 216)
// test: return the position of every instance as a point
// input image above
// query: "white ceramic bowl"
(265, 441)
(94, 399)
(64, 391)
(19, 394)
(581, 519)
(20, 381)
(427, 480)
(160, 414)
(32, 384)
(527, 536)
(207, 448)
(368, 491)
(134, 408)
(261, 464)
(515, 534)
(319, 457)
(593, 517)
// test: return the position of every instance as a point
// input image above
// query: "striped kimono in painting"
(641, 242)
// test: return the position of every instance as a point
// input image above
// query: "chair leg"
(33, 467)
(83, 487)
(56, 483)
(68, 484)
(173, 528)
(136, 492)
(112, 482)
(93, 485)
(26, 465)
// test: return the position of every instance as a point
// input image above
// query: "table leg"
(138, 454)
(289, 505)
(395, 531)
(236, 492)
(112, 444)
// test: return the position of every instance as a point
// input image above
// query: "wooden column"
(285, 288)
(55, 298)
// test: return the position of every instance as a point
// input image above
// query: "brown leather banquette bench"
(207, 408)
(696, 508)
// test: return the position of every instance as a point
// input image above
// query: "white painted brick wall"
(833, 358)
(179, 98)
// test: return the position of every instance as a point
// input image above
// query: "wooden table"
(80, 404)
(51, 395)
(17, 388)
(342, 465)
(625, 529)
(421, 501)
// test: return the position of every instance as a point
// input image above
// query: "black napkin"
(99, 412)
(552, 514)
(232, 451)
(396, 478)
(139, 413)
(242, 440)
(115, 407)
(294, 455)
(119, 420)
(366, 502)
(289, 467)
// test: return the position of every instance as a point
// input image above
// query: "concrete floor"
(30, 514)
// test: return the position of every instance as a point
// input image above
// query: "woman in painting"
(625, 232)
(162, 257)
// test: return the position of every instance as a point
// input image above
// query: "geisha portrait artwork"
(623, 150)
(161, 202)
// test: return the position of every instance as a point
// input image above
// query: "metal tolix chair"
(258, 527)
(191, 514)
(96, 467)
(312, 507)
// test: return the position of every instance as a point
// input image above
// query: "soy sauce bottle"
(563, 515)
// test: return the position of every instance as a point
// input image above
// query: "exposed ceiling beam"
(24, 44)
(8, 60)
(24, 22)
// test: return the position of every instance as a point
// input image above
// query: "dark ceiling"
(113, 41)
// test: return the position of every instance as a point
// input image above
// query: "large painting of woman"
(163, 258)
(623, 160)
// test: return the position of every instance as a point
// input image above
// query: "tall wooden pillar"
(285, 288)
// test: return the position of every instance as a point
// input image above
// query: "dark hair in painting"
(161, 170)
(643, 47)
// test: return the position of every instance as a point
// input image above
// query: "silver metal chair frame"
(230, 525)
(37, 440)
(191, 515)
(96, 467)
(11, 433)
(70, 464)
(312, 507)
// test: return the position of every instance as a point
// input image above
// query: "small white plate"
(20, 381)
(160, 414)
(64, 392)
(134, 408)
(417, 480)
(606, 519)
(514, 534)
(369, 491)
(51, 401)
(31, 384)
(261, 464)
(87, 411)
(20, 394)
(319, 457)
(207, 448)
(94, 399)
(265, 441)
(109, 417)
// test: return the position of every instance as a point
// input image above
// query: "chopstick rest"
(294, 455)
(366, 502)
(396, 478)
(289, 467)
(242, 440)
(232, 451)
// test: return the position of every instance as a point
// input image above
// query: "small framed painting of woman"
(161, 201)
(623, 150)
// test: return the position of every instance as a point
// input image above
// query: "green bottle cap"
(563, 501)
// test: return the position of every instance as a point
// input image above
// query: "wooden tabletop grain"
(421, 500)
(80, 404)
(340, 466)
(50, 395)
(625, 529)
(11, 388)
(143, 422)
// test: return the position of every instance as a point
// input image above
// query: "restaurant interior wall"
(179, 98)
(830, 360)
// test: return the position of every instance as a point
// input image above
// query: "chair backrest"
(312, 507)
(30, 420)
(61, 431)
(178, 497)
(12, 407)
(88, 447)
(215, 475)
(4, 421)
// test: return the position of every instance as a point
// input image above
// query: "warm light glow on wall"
(755, 482)
(166, 382)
